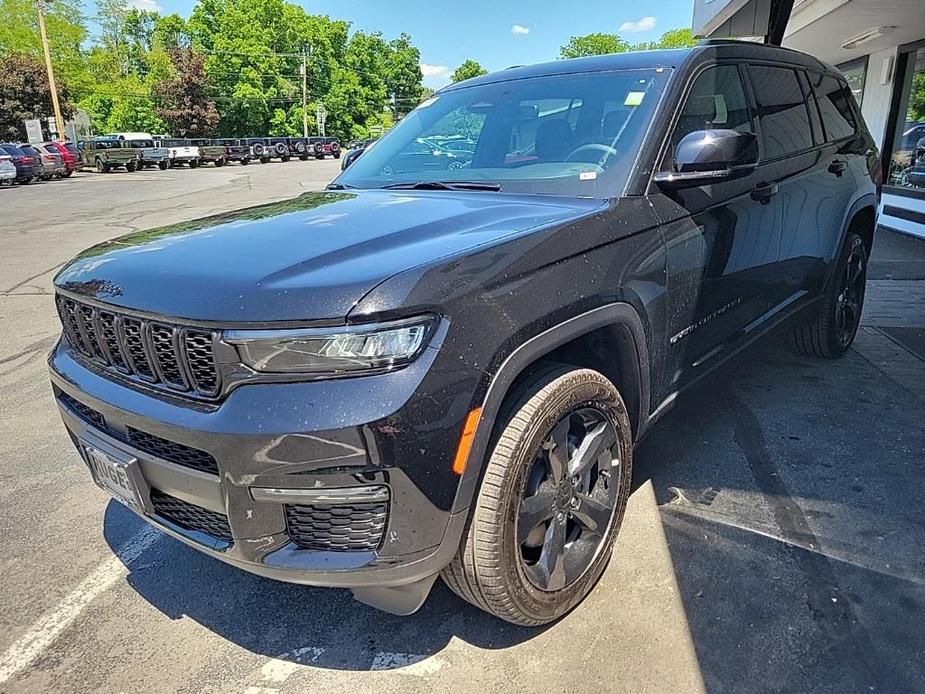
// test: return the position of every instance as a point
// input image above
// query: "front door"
(722, 238)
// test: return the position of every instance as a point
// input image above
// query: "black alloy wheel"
(569, 497)
(850, 298)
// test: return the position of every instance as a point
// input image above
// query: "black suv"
(444, 372)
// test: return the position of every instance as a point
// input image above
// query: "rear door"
(812, 180)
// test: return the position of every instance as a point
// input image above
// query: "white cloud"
(149, 5)
(520, 29)
(434, 70)
(644, 24)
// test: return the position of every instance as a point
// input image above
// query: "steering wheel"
(593, 147)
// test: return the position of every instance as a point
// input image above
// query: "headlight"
(332, 350)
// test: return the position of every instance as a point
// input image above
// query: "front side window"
(783, 115)
(716, 101)
(569, 134)
(834, 99)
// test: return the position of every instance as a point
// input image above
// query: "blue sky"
(496, 33)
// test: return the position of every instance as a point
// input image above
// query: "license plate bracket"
(117, 473)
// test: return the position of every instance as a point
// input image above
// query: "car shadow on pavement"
(786, 495)
(282, 620)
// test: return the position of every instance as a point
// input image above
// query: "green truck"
(107, 153)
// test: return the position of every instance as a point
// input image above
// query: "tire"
(318, 148)
(68, 174)
(490, 570)
(264, 160)
(101, 166)
(245, 161)
(304, 157)
(259, 149)
(219, 162)
(280, 149)
(336, 154)
(300, 147)
(163, 165)
(131, 167)
(319, 157)
(193, 163)
(830, 333)
(284, 158)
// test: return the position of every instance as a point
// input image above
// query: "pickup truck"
(235, 150)
(181, 151)
(151, 155)
(107, 153)
(209, 152)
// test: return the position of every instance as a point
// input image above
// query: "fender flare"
(866, 200)
(619, 315)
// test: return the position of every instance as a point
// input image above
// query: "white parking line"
(42, 634)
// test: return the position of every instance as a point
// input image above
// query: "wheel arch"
(861, 218)
(578, 341)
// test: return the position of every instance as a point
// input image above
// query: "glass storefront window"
(855, 72)
(907, 163)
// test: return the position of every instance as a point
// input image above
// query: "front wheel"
(551, 501)
(245, 161)
(830, 332)
(162, 165)
(193, 163)
(131, 167)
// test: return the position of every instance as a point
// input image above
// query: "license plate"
(116, 474)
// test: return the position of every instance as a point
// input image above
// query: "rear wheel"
(162, 165)
(131, 167)
(101, 166)
(551, 502)
(220, 162)
(245, 161)
(193, 163)
(831, 331)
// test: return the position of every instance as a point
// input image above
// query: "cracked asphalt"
(774, 541)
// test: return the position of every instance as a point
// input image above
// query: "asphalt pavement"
(774, 540)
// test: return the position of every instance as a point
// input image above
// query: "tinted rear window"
(834, 99)
(141, 143)
(782, 113)
(71, 147)
(13, 150)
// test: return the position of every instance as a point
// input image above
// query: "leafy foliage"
(468, 70)
(24, 94)
(602, 44)
(183, 101)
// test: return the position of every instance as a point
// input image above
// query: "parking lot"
(774, 540)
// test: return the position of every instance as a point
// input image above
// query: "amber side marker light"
(465, 441)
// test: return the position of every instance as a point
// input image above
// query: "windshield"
(573, 134)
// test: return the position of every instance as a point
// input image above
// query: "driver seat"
(553, 140)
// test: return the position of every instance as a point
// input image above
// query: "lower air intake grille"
(86, 412)
(337, 527)
(191, 517)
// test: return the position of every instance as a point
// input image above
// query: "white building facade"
(880, 47)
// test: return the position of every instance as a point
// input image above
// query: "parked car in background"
(180, 150)
(278, 148)
(322, 147)
(424, 154)
(52, 160)
(150, 155)
(354, 153)
(69, 153)
(43, 172)
(107, 153)
(209, 152)
(259, 148)
(23, 163)
(235, 150)
(7, 170)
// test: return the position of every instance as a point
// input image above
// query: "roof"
(636, 60)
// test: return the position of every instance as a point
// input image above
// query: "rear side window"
(716, 101)
(834, 99)
(783, 115)
(72, 148)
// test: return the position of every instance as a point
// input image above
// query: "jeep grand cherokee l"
(444, 372)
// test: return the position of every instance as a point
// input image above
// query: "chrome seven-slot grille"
(152, 352)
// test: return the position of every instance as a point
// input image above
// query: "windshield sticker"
(587, 175)
(634, 98)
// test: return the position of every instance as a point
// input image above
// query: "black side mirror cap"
(710, 155)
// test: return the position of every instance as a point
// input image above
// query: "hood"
(310, 258)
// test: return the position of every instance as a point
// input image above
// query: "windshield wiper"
(339, 186)
(444, 185)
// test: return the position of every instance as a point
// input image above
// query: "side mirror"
(706, 155)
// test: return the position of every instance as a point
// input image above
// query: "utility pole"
(59, 121)
(304, 96)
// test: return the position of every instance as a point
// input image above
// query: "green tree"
(24, 94)
(403, 75)
(677, 38)
(917, 98)
(593, 44)
(468, 70)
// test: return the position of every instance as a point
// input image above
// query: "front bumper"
(272, 436)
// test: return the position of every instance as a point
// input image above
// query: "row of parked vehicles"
(40, 161)
(134, 151)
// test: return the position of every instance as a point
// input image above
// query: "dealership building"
(880, 47)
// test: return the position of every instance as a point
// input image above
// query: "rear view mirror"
(705, 155)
